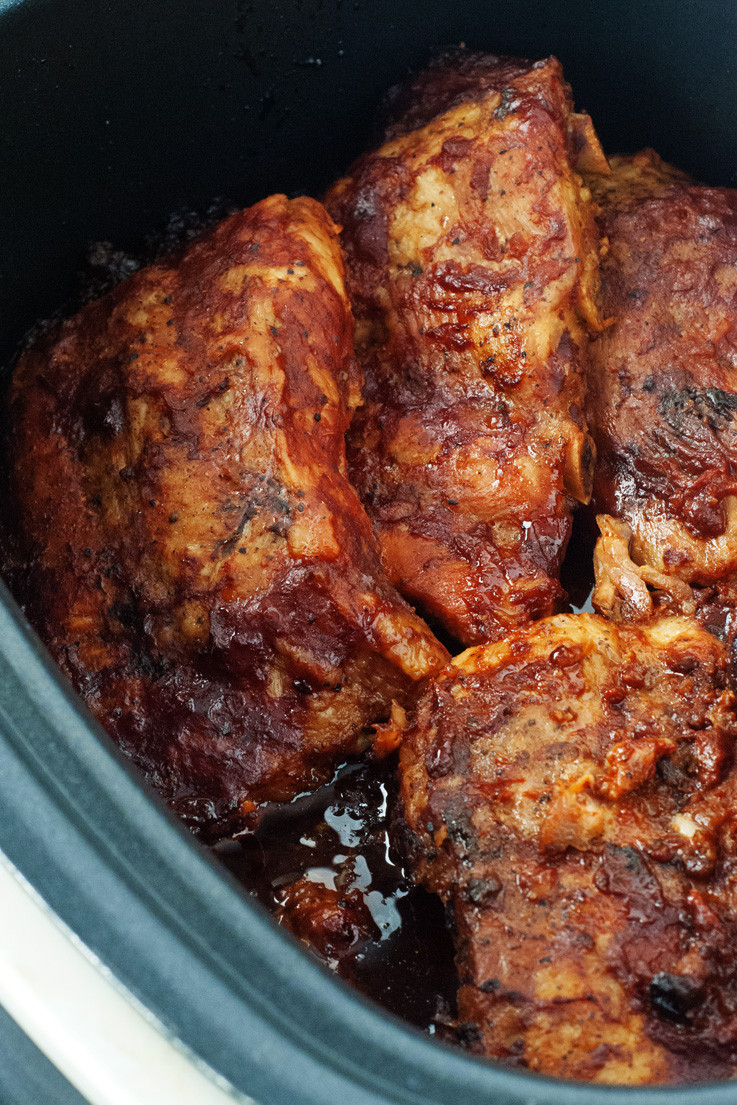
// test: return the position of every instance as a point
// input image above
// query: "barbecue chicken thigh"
(187, 542)
(471, 253)
(570, 793)
(663, 389)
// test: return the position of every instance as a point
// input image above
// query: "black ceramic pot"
(111, 116)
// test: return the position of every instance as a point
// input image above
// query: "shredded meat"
(570, 793)
(471, 253)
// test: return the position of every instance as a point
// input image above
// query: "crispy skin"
(471, 255)
(663, 387)
(188, 544)
(570, 793)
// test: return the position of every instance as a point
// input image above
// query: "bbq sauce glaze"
(326, 866)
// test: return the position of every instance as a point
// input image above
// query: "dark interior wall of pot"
(114, 114)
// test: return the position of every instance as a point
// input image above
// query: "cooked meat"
(332, 922)
(188, 544)
(570, 793)
(472, 257)
(663, 388)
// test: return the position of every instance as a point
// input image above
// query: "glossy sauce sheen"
(380, 932)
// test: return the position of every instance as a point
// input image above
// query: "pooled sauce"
(339, 839)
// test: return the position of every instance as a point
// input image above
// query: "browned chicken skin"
(663, 388)
(188, 544)
(570, 793)
(471, 254)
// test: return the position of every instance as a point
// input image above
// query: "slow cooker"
(132, 971)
